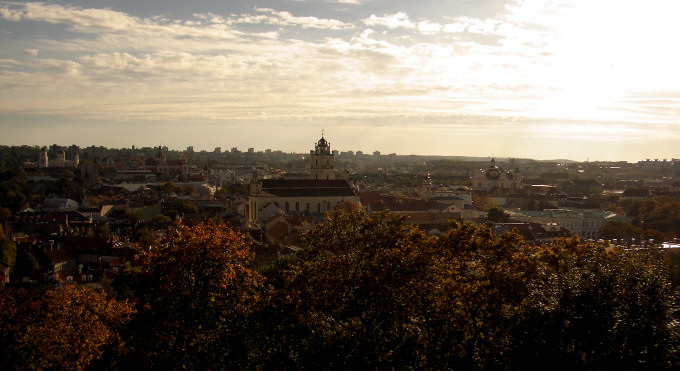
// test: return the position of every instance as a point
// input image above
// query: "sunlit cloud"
(397, 20)
(519, 70)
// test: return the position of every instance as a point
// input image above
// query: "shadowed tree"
(597, 308)
(372, 291)
(197, 294)
(347, 297)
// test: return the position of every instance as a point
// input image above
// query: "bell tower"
(322, 163)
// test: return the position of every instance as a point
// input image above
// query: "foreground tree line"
(367, 291)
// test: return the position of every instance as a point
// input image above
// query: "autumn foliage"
(66, 328)
(367, 291)
(196, 295)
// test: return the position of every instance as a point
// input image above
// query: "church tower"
(42, 160)
(322, 166)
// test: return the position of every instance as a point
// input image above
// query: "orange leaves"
(66, 328)
(197, 286)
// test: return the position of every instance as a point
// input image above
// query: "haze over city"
(536, 79)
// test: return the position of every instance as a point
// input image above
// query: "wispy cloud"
(397, 20)
(282, 18)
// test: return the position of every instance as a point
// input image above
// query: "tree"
(196, 297)
(66, 328)
(473, 297)
(25, 265)
(653, 234)
(160, 220)
(189, 190)
(221, 193)
(619, 230)
(5, 215)
(105, 231)
(482, 203)
(370, 291)
(170, 188)
(592, 307)
(497, 215)
(347, 297)
(8, 251)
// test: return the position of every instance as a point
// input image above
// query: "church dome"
(322, 147)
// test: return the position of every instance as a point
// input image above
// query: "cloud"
(429, 28)
(397, 20)
(527, 63)
(351, 2)
(283, 18)
(76, 17)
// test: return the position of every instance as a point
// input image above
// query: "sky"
(580, 79)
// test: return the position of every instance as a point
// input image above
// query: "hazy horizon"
(530, 79)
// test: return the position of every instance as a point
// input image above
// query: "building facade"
(59, 161)
(313, 197)
(494, 178)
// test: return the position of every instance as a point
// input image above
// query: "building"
(322, 165)
(59, 161)
(310, 197)
(583, 223)
(496, 179)
(161, 165)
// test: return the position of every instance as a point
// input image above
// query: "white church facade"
(60, 161)
(310, 197)
(495, 178)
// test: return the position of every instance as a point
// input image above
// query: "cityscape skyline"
(533, 79)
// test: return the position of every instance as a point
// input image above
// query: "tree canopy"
(66, 328)
(372, 291)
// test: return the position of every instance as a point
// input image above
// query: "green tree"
(26, 264)
(222, 193)
(105, 231)
(189, 190)
(160, 220)
(482, 203)
(170, 188)
(592, 307)
(620, 230)
(497, 215)
(8, 251)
